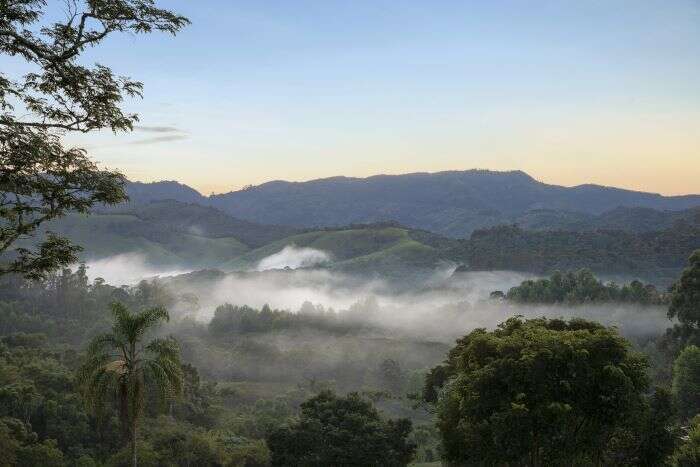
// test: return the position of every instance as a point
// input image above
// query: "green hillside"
(380, 249)
(187, 235)
(191, 236)
(104, 235)
(202, 221)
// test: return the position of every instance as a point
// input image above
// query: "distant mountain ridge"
(173, 235)
(453, 203)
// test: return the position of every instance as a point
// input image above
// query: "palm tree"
(119, 366)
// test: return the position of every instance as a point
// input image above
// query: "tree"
(536, 392)
(686, 382)
(346, 431)
(685, 303)
(688, 453)
(40, 179)
(119, 366)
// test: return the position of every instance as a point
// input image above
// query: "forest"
(252, 386)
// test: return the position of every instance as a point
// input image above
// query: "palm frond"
(164, 348)
(149, 318)
(166, 375)
(102, 342)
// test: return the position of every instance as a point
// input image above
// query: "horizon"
(251, 92)
(232, 190)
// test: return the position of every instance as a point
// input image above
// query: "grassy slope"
(352, 249)
(377, 249)
(103, 235)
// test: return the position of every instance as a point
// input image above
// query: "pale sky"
(571, 92)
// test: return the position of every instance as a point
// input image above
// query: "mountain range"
(171, 235)
(400, 226)
(453, 203)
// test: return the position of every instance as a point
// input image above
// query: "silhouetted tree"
(40, 179)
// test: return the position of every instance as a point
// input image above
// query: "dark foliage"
(346, 431)
(547, 392)
(229, 319)
(654, 255)
(685, 304)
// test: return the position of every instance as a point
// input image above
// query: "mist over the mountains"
(127, 269)
(442, 308)
(443, 312)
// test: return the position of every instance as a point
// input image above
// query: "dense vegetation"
(336, 430)
(630, 219)
(581, 287)
(548, 392)
(685, 304)
(229, 319)
(246, 374)
(253, 369)
(655, 256)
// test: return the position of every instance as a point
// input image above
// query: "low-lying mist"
(445, 306)
(293, 257)
(356, 322)
(128, 269)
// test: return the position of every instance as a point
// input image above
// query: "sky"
(571, 92)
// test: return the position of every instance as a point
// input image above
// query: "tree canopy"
(538, 392)
(685, 303)
(41, 179)
(686, 382)
(334, 430)
(583, 287)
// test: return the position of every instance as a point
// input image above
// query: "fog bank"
(447, 305)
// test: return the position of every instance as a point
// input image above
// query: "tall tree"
(120, 365)
(685, 303)
(686, 382)
(40, 179)
(536, 392)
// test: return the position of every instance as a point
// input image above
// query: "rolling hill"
(452, 203)
(449, 203)
(378, 249)
(173, 234)
(180, 236)
(171, 225)
(105, 235)
(202, 221)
